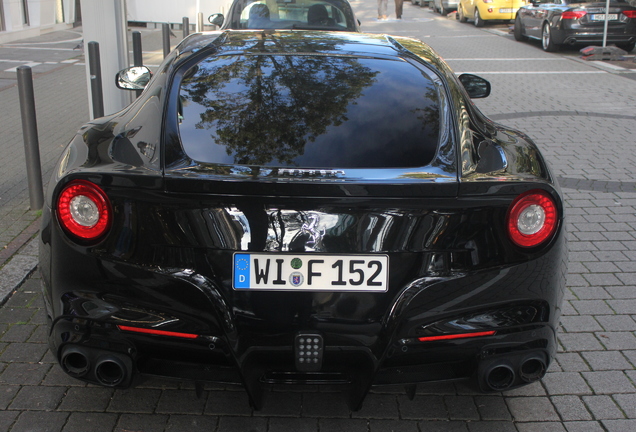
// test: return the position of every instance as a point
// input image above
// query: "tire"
(627, 46)
(460, 15)
(546, 39)
(478, 21)
(443, 11)
(518, 31)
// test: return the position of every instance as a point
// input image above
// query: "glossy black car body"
(330, 15)
(570, 22)
(413, 212)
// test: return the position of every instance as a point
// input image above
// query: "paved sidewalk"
(584, 120)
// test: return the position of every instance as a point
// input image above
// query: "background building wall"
(169, 11)
(42, 17)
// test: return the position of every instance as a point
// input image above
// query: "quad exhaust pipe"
(532, 369)
(103, 367)
(110, 371)
(75, 362)
(499, 375)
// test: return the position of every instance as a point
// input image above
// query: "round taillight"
(84, 210)
(532, 218)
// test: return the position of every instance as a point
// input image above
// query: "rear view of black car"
(577, 22)
(298, 207)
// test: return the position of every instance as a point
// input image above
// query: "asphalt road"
(581, 114)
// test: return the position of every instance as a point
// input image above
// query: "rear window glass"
(308, 111)
(266, 14)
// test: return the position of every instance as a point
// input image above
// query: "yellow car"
(481, 11)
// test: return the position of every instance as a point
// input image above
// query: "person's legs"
(382, 6)
(398, 8)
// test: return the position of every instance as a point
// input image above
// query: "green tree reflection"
(265, 106)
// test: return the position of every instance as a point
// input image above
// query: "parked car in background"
(331, 15)
(289, 207)
(445, 6)
(483, 11)
(576, 22)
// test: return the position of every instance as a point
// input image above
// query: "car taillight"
(630, 13)
(532, 218)
(84, 210)
(573, 14)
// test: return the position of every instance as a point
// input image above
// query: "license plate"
(601, 17)
(310, 272)
(507, 10)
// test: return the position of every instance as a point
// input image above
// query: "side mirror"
(216, 19)
(476, 86)
(133, 78)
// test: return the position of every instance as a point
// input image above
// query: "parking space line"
(506, 59)
(532, 72)
(37, 48)
(14, 61)
(15, 69)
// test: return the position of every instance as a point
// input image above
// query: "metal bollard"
(30, 134)
(165, 29)
(138, 57)
(200, 22)
(95, 70)
(186, 27)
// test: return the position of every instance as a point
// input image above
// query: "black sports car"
(283, 207)
(332, 15)
(575, 22)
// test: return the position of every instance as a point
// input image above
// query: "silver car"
(445, 6)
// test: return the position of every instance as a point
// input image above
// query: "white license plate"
(601, 17)
(507, 10)
(310, 272)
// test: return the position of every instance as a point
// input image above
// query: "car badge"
(312, 229)
(298, 172)
(296, 279)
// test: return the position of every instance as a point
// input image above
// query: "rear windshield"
(308, 111)
(296, 14)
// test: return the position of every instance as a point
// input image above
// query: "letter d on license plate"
(310, 272)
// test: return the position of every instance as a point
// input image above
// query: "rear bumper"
(115, 359)
(222, 345)
(577, 34)
(496, 14)
(597, 39)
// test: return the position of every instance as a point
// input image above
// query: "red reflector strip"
(456, 336)
(158, 332)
